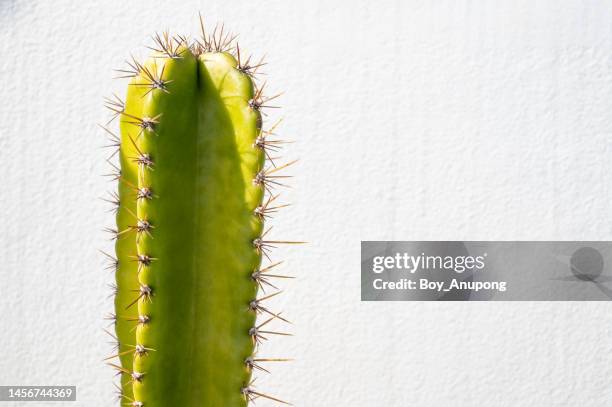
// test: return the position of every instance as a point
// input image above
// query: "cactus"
(196, 185)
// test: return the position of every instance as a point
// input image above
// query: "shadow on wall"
(7, 8)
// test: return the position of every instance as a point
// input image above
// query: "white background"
(484, 120)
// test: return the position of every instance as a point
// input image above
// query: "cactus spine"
(190, 226)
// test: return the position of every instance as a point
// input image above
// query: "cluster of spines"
(268, 178)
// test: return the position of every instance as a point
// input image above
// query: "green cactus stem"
(190, 227)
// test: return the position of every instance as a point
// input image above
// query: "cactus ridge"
(196, 184)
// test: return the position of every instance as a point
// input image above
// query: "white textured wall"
(413, 120)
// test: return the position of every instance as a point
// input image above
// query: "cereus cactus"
(196, 186)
